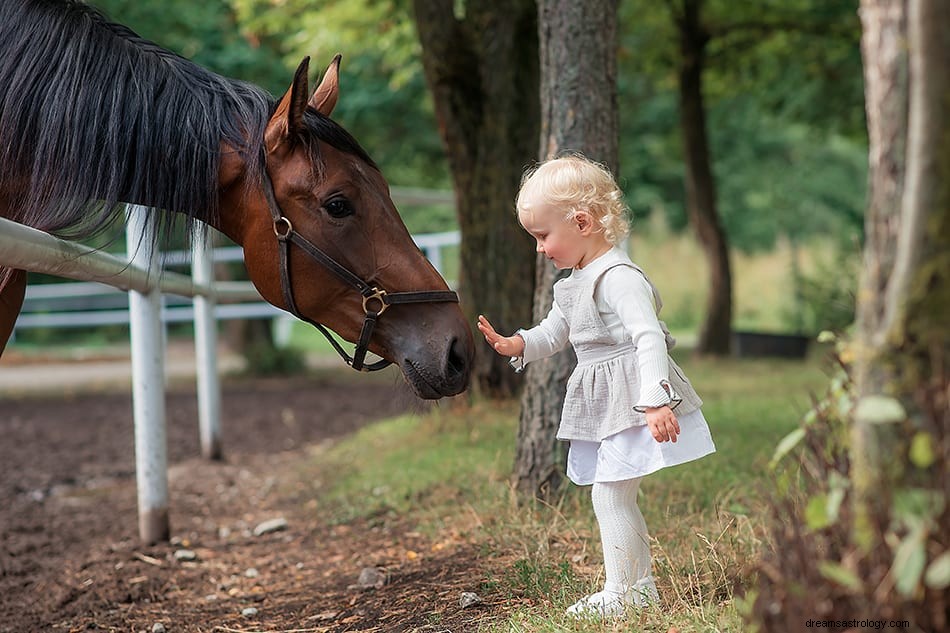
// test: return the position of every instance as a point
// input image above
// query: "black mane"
(92, 115)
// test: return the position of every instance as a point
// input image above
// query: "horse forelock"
(92, 115)
(329, 131)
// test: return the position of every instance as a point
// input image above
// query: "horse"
(93, 116)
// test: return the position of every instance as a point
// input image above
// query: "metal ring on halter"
(290, 228)
(378, 294)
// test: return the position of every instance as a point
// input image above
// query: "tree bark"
(482, 70)
(578, 44)
(715, 335)
(884, 34)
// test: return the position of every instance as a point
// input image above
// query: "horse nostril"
(457, 361)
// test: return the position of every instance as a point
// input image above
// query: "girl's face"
(568, 243)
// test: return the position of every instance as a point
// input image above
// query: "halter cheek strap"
(375, 299)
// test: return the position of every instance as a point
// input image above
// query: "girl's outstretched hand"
(504, 345)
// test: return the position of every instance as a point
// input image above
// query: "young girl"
(618, 409)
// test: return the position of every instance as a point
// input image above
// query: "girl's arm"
(630, 296)
(525, 346)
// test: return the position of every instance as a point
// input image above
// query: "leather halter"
(375, 299)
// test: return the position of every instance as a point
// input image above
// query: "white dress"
(622, 353)
(634, 452)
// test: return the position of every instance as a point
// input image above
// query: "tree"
(715, 334)
(903, 352)
(578, 44)
(481, 65)
(874, 536)
(739, 57)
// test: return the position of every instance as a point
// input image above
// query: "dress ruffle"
(599, 399)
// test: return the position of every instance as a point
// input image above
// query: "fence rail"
(92, 303)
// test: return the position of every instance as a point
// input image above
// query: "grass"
(447, 472)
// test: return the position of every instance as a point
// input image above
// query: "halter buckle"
(285, 235)
(379, 295)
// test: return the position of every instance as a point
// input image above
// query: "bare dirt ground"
(70, 558)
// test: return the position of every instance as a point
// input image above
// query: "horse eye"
(338, 208)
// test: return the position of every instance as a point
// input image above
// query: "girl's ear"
(584, 221)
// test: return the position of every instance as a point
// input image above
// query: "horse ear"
(325, 96)
(287, 120)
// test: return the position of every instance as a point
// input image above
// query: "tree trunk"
(886, 95)
(902, 351)
(578, 43)
(482, 70)
(715, 335)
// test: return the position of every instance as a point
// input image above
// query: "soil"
(71, 560)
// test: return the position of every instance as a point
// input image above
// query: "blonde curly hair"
(573, 183)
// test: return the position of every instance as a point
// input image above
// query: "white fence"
(90, 303)
(101, 275)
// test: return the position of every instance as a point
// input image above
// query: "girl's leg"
(623, 534)
(627, 560)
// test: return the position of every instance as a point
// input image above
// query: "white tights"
(623, 532)
(627, 560)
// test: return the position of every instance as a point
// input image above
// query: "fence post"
(148, 382)
(206, 351)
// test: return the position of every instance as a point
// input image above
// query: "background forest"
(784, 100)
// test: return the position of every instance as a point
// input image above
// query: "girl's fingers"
(666, 430)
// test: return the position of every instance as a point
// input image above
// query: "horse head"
(321, 206)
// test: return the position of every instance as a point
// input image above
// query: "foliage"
(826, 298)
(789, 151)
(207, 33)
(815, 568)
(385, 103)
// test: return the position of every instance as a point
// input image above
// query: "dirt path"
(70, 559)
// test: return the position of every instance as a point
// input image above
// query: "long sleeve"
(629, 295)
(543, 340)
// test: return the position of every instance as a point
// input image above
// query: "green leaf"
(838, 573)
(922, 453)
(909, 562)
(827, 337)
(816, 513)
(787, 443)
(879, 410)
(938, 572)
(916, 506)
(839, 487)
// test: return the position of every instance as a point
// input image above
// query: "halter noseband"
(375, 299)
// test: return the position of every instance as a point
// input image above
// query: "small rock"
(249, 612)
(469, 599)
(274, 525)
(370, 578)
(158, 627)
(185, 554)
(251, 573)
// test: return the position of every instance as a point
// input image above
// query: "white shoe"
(603, 604)
(613, 604)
